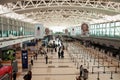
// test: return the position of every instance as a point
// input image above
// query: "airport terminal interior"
(59, 39)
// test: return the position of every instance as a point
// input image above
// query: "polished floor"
(56, 69)
(68, 68)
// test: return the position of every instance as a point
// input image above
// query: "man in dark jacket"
(62, 53)
(46, 58)
(14, 75)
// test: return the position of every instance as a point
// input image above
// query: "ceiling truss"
(94, 4)
(72, 12)
(63, 16)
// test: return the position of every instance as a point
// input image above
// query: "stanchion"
(81, 60)
(92, 70)
(87, 54)
(115, 69)
(106, 58)
(77, 64)
(103, 62)
(94, 62)
(98, 61)
(79, 57)
(118, 64)
(104, 69)
(90, 57)
(88, 65)
(84, 62)
(108, 64)
(98, 76)
(111, 77)
(111, 61)
(75, 61)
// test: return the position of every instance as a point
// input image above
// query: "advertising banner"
(66, 31)
(39, 31)
(47, 31)
(24, 59)
(72, 32)
(84, 30)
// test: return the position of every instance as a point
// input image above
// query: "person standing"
(46, 58)
(31, 61)
(81, 70)
(62, 53)
(59, 52)
(14, 75)
(29, 75)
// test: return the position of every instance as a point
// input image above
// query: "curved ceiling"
(64, 12)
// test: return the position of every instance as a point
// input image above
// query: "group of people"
(83, 74)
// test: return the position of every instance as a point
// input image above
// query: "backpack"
(25, 77)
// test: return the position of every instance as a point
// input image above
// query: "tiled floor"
(59, 69)
(66, 69)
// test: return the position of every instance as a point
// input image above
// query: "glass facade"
(111, 29)
(15, 27)
(108, 30)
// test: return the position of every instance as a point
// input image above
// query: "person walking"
(46, 58)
